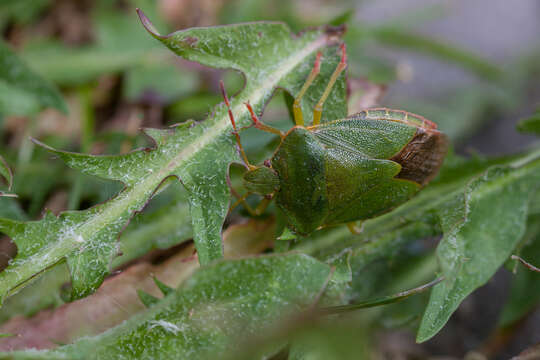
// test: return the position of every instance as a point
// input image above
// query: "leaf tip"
(148, 24)
(39, 143)
(165, 289)
(147, 299)
(424, 335)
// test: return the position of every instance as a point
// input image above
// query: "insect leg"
(355, 230)
(235, 132)
(317, 112)
(258, 211)
(297, 109)
(260, 125)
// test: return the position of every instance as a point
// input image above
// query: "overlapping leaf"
(213, 312)
(198, 154)
(22, 91)
(158, 228)
(482, 226)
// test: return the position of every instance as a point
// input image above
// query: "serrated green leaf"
(147, 299)
(165, 290)
(481, 226)
(236, 43)
(219, 306)
(198, 154)
(23, 92)
(161, 228)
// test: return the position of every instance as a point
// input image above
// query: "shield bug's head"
(261, 180)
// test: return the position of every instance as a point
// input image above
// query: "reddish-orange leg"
(317, 112)
(235, 131)
(259, 210)
(259, 124)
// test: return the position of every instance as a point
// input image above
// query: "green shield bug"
(343, 170)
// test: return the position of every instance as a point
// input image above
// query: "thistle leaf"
(198, 154)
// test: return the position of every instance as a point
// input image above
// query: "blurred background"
(473, 67)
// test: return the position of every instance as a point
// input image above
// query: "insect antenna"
(317, 112)
(235, 132)
(297, 109)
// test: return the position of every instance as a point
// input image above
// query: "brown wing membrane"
(422, 157)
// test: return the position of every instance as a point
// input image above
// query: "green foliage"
(163, 224)
(21, 11)
(198, 154)
(486, 209)
(210, 313)
(5, 172)
(482, 226)
(22, 91)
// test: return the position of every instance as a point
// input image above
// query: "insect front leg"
(297, 109)
(317, 112)
(260, 125)
(235, 131)
(354, 229)
(258, 211)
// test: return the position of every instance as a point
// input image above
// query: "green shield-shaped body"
(354, 168)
